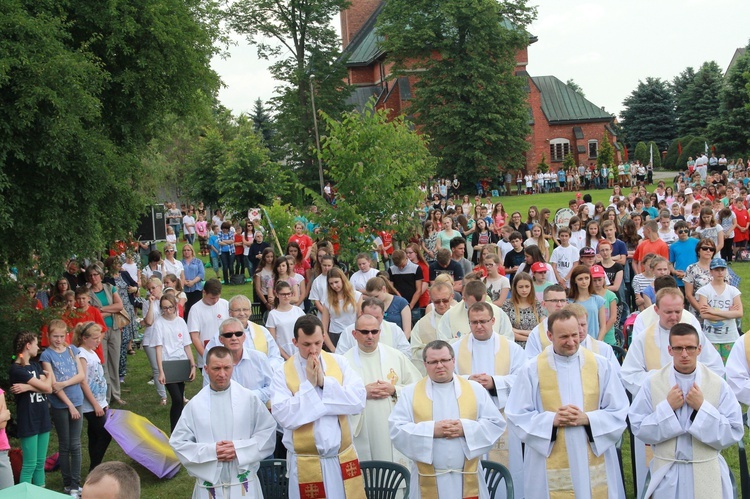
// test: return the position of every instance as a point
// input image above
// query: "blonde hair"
(346, 289)
(85, 330)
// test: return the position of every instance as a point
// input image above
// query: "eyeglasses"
(368, 331)
(240, 310)
(441, 302)
(479, 323)
(707, 248)
(684, 349)
(439, 361)
(236, 334)
(168, 308)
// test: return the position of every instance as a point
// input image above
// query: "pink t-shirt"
(4, 444)
(201, 228)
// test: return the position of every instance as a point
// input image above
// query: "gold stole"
(499, 451)
(595, 347)
(706, 468)
(651, 351)
(259, 339)
(559, 479)
(427, 332)
(543, 339)
(467, 409)
(309, 470)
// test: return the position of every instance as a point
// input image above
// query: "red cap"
(597, 271)
(539, 267)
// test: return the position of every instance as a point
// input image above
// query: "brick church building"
(562, 121)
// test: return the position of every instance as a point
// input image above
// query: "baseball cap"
(718, 263)
(539, 267)
(688, 191)
(587, 251)
(597, 271)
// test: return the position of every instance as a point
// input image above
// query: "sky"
(606, 47)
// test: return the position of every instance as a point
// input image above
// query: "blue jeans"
(190, 238)
(176, 231)
(215, 263)
(69, 439)
(227, 261)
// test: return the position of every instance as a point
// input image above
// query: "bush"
(282, 217)
(693, 149)
(673, 154)
(641, 153)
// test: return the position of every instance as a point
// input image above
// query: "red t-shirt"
(387, 238)
(645, 247)
(238, 249)
(424, 300)
(72, 318)
(304, 241)
(742, 219)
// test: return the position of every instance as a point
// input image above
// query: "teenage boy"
(564, 257)
(682, 252)
(515, 257)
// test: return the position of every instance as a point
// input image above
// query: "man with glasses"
(493, 361)
(649, 352)
(569, 409)
(256, 336)
(425, 330)
(224, 432)
(445, 424)
(385, 372)
(682, 252)
(555, 299)
(251, 368)
(206, 316)
(688, 414)
(390, 333)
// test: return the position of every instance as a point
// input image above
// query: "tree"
(543, 166)
(731, 129)
(670, 160)
(247, 177)
(698, 103)
(467, 98)
(679, 84)
(203, 167)
(262, 123)
(641, 153)
(649, 113)
(692, 149)
(569, 161)
(606, 154)
(369, 160)
(576, 87)
(299, 37)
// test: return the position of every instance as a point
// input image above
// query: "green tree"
(731, 129)
(653, 147)
(467, 99)
(543, 166)
(649, 113)
(263, 123)
(369, 160)
(699, 101)
(569, 161)
(575, 86)
(202, 168)
(299, 38)
(606, 152)
(247, 177)
(693, 149)
(670, 161)
(641, 153)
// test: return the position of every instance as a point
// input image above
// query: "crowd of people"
(454, 342)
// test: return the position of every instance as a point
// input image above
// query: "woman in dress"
(523, 309)
(280, 322)
(339, 307)
(172, 342)
(429, 241)
(698, 274)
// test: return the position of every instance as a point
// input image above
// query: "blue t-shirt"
(64, 366)
(561, 175)
(393, 313)
(619, 248)
(682, 254)
(213, 243)
(592, 306)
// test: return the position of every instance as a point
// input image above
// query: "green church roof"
(561, 104)
(364, 48)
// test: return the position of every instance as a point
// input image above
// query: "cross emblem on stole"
(311, 491)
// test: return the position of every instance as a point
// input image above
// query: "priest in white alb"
(390, 334)
(493, 361)
(554, 299)
(425, 330)
(445, 424)
(385, 372)
(738, 370)
(223, 434)
(689, 415)
(569, 408)
(312, 397)
(455, 322)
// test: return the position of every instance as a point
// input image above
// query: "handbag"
(121, 319)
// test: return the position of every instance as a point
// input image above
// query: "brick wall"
(353, 18)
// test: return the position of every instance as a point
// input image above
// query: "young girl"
(728, 222)
(340, 307)
(171, 282)
(643, 280)
(429, 241)
(523, 309)
(172, 342)
(151, 312)
(280, 322)
(281, 272)
(498, 285)
(549, 229)
(598, 211)
(88, 336)
(201, 230)
(263, 277)
(30, 384)
(301, 264)
(577, 234)
(482, 237)
(707, 228)
(537, 239)
(532, 216)
(539, 274)
(598, 279)
(720, 305)
(593, 234)
(582, 292)
(66, 375)
(171, 237)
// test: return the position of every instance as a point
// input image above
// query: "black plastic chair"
(273, 480)
(256, 314)
(494, 474)
(619, 353)
(383, 479)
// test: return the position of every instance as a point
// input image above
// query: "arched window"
(558, 149)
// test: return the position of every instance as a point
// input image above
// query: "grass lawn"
(142, 398)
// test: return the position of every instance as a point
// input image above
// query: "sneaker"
(150, 382)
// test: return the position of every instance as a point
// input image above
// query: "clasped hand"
(449, 428)
(676, 398)
(570, 415)
(314, 371)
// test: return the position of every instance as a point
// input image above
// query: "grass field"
(142, 398)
